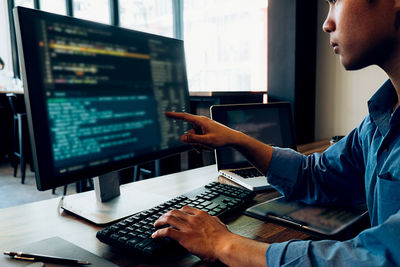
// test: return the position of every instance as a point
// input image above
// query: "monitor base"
(130, 201)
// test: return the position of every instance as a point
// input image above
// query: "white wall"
(341, 96)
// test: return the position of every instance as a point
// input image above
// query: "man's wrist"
(236, 250)
(225, 247)
(239, 139)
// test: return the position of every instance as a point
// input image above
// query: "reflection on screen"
(268, 125)
(106, 94)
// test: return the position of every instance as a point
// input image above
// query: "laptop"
(270, 123)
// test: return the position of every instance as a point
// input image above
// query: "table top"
(39, 220)
(6, 91)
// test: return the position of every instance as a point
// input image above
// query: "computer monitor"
(96, 96)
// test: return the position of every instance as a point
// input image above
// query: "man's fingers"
(175, 218)
(191, 138)
(197, 140)
(191, 131)
(182, 116)
(190, 210)
(167, 232)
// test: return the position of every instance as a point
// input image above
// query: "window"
(14, 53)
(24, 3)
(54, 6)
(225, 41)
(154, 16)
(5, 47)
(226, 45)
(98, 10)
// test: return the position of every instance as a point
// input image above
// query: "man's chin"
(353, 64)
(351, 67)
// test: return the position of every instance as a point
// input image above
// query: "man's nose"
(329, 25)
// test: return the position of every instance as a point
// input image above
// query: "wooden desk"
(314, 147)
(36, 221)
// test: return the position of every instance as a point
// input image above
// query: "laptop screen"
(269, 123)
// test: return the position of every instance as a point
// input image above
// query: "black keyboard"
(247, 173)
(134, 233)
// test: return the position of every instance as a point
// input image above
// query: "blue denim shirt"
(363, 166)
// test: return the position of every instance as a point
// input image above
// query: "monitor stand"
(107, 203)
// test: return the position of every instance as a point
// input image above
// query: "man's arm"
(313, 179)
(336, 176)
(377, 246)
(211, 134)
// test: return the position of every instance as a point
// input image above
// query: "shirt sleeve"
(377, 246)
(321, 178)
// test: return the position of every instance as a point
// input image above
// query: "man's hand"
(196, 230)
(208, 238)
(210, 134)
(205, 132)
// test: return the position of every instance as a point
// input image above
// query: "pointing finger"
(182, 116)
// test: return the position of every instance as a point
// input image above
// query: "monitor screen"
(96, 95)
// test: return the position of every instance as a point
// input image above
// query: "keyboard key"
(217, 209)
(212, 213)
(115, 228)
(123, 239)
(212, 206)
(143, 236)
(107, 231)
(132, 235)
(142, 244)
(115, 237)
(134, 241)
(152, 248)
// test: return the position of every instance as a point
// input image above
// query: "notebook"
(54, 246)
(270, 123)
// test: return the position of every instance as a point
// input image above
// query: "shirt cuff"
(290, 253)
(284, 169)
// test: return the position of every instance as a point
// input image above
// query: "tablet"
(318, 220)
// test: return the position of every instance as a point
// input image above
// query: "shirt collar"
(380, 107)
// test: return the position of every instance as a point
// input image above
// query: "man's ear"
(397, 3)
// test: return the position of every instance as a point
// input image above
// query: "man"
(363, 166)
(1, 64)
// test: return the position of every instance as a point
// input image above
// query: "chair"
(21, 145)
(81, 186)
(140, 171)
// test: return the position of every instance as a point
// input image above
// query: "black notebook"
(318, 220)
(55, 246)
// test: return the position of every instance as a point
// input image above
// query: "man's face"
(362, 32)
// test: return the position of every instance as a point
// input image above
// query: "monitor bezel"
(37, 115)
